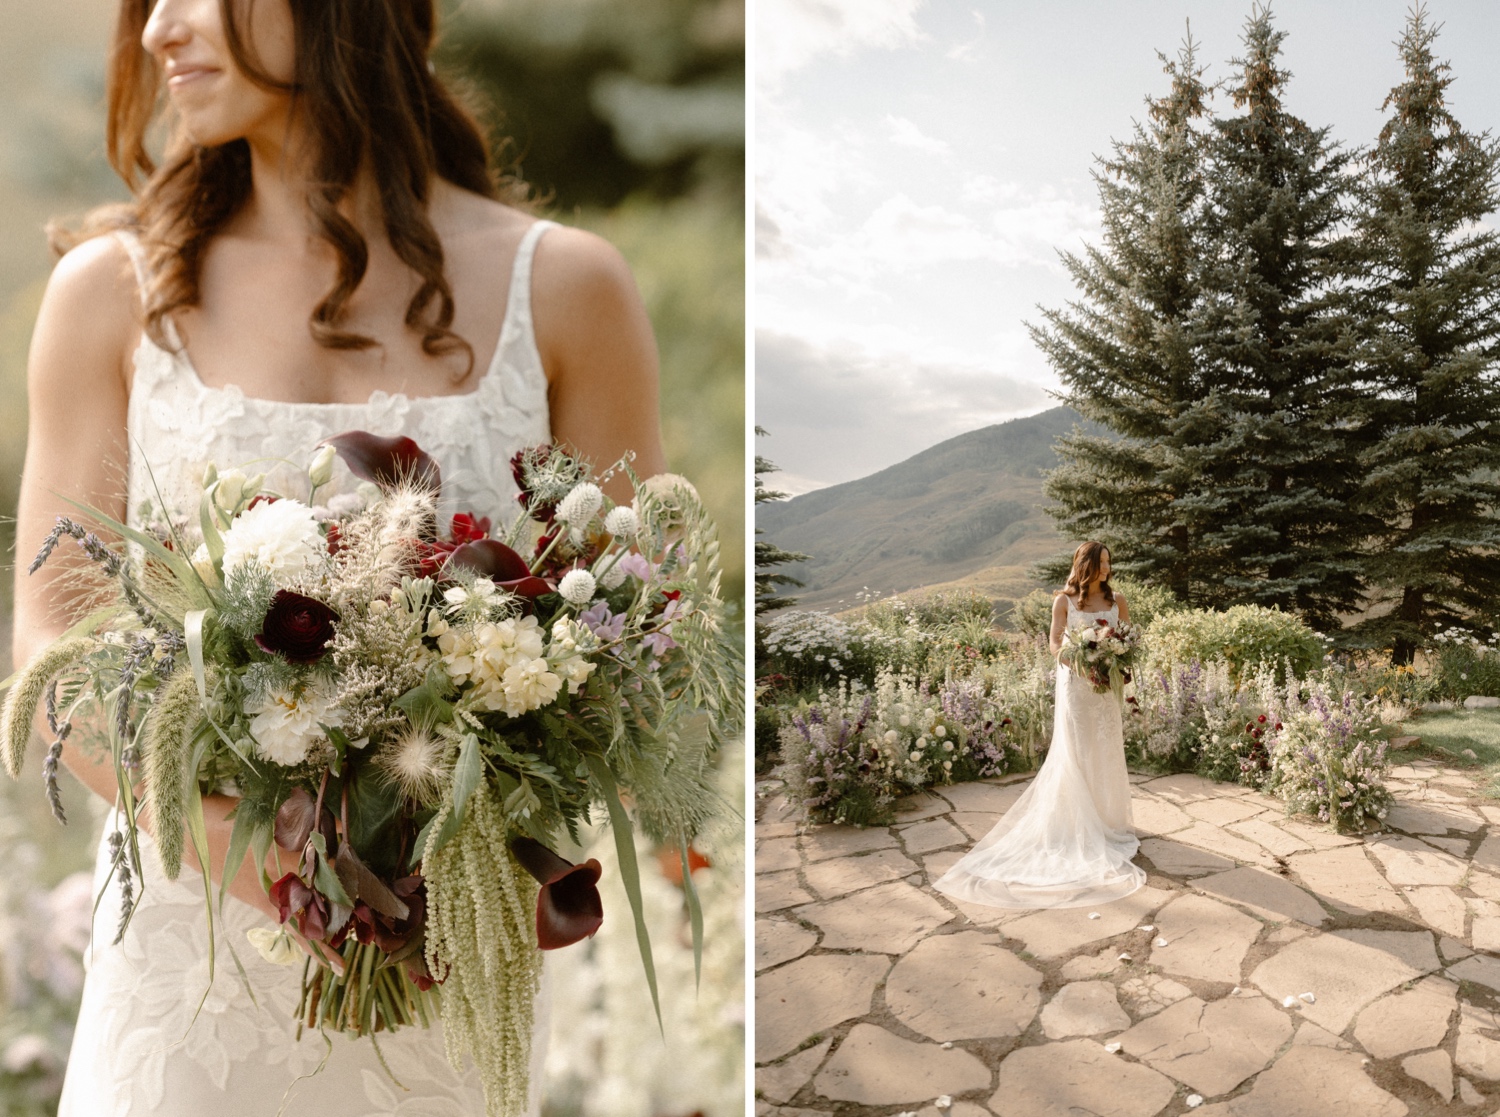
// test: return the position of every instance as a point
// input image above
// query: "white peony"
(622, 522)
(579, 506)
(577, 587)
(286, 724)
(282, 536)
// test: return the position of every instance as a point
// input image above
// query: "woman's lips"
(187, 75)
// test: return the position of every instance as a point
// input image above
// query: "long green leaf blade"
(695, 914)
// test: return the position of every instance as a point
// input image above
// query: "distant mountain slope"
(966, 511)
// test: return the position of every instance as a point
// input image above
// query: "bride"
(1068, 840)
(321, 248)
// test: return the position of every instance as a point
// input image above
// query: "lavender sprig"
(92, 546)
(127, 882)
(60, 731)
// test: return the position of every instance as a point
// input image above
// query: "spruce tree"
(1127, 351)
(768, 556)
(1277, 352)
(1432, 419)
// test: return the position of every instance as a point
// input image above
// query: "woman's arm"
(78, 388)
(1124, 608)
(1059, 624)
(597, 347)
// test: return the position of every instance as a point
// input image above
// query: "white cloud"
(904, 133)
(791, 33)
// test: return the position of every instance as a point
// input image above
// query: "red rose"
(296, 628)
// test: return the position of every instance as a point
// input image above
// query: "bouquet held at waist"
(1104, 653)
(412, 720)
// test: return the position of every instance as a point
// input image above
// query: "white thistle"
(416, 762)
(580, 505)
(577, 587)
(622, 522)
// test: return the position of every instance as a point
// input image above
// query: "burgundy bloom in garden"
(386, 461)
(568, 908)
(297, 628)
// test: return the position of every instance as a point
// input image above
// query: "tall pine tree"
(1127, 351)
(1278, 352)
(768, 580)
(1433, 414)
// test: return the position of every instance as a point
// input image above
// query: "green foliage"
(1246, 636)
(1032, 615)
(1463, 665)
(1329, 760)
(768, 556)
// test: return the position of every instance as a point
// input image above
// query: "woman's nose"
(165, 27)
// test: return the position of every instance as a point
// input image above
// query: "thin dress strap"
(130, 240)
(518, 310)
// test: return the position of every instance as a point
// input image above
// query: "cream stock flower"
(529, 686)
(481, 655)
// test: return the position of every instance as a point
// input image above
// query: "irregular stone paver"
(834, 878)
(1459, 847)
(922, 805)
(1408, 1020)
(1088, 966)
(983, 798)
(1484, 884)
(1467, 1094)
(1271, 896)
(822, 842)
(1221, 812)
(1204, 939)
(1157, 816)
(1477, 1054)
(1432, 818)
(876, 1068)
(1211, 1047)
(1415, 948)
(1440, 908)
(1308, 1032)
(1223, 843)
(963, 986)
(1311, 1081)
(888, 919)
(776, 853)
(937, 833)
(1345, 878)
(774, 891)
(811, 995)
(780, 940)
(1150, 993)
(1319, 837)
(1344, 976)
(1452, 950)
(781, 1081)
(975, 825)
(1435, 1068)
(1273, 839)
(1184, 788)
(1487, 856)
(1084, 1008)
(1412, 861)
(1178, 860)
(1479, 968)
(1060, 931)
(1077, 1076)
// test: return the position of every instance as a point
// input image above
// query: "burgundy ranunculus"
(386, 461)
(297, 628)
(568, 908)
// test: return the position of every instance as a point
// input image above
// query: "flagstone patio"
(1269, 968)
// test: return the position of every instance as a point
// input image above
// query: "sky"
(918, 165)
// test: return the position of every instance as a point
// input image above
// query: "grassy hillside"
(964, 512)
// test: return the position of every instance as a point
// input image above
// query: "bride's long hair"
(366, 91)
(1085, 569)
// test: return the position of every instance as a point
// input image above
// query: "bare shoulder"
(1119, 597)
(576, 264)
(1060, 601)
(90, 314)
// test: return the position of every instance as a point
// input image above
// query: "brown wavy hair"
(1085, 569)
(364, 87)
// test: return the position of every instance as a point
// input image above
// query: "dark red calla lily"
(495, 560)
(297, 628)
(386, 461)
(568, 908)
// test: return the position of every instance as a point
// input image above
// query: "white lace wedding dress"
(138, 1050)
(1068, 841)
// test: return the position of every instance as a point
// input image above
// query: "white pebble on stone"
(1161, 942)
(948, 1046)
(1288, 1002)
(1308, 997)
(944, 1102)
(1235, 992)
(1147, 927)
(1194, 1100)
(1112, 1047)
(1124, 957)
(1093, 915)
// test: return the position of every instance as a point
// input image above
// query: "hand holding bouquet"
(410, 719)
(1104, 653)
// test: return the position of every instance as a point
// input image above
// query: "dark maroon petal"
(543, 865)
(527, 587)
(386, 461)
(295, 627)
(289, 895)
(569, 909)
(294, 821)
(491, 558)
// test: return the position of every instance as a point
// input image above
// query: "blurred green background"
(625, 116)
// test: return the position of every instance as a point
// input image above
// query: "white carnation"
(580, 505)
(622, 522)
(282, 536)
(577, 587)
(285, 724)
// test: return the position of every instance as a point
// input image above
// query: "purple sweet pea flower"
(601, 622)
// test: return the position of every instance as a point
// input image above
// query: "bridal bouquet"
(1103, 653)
(411, 719)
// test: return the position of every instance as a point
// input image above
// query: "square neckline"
(520, 269)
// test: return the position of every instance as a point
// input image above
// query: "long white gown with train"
(1069, 840)
(138, 1050)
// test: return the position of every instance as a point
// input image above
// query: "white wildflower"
(416, 762)
(275, 946)
(320, 470)
(281, 536)
(613, 578)
(286, 724)
(916, 756)
(577, 587)
(622, 522)
(529, 687)
(580, 505)
(343, 505)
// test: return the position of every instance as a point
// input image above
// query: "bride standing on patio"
(1068, 841)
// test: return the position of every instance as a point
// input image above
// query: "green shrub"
(1464, 665)
(1245, 636)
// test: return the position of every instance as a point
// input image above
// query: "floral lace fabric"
(1068, 841)
(155, 1035)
